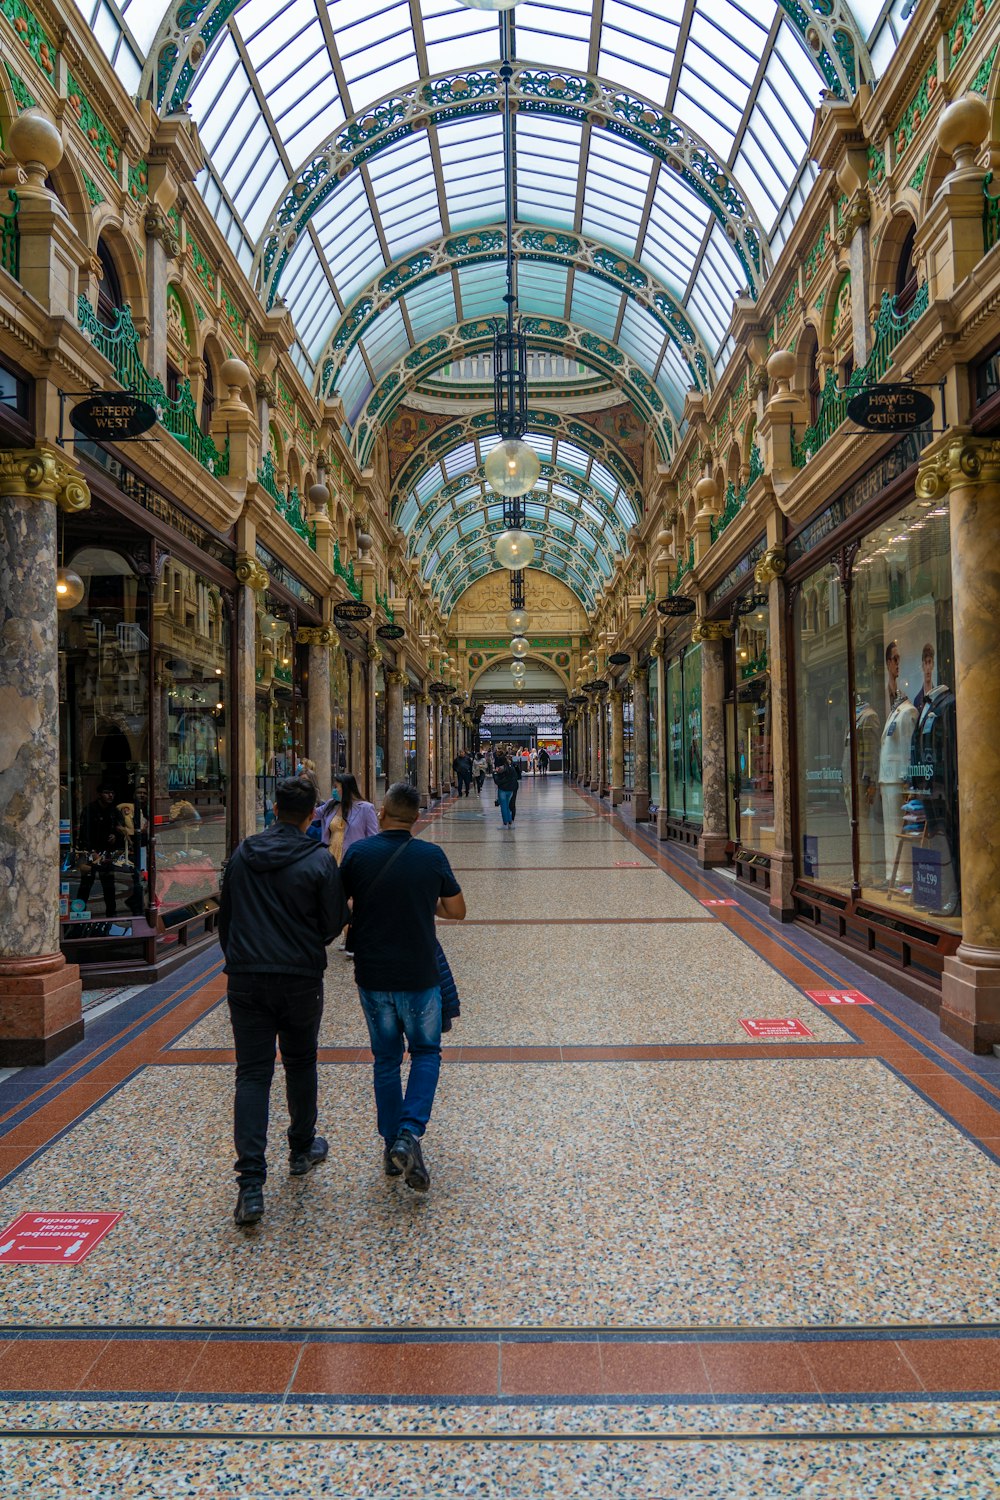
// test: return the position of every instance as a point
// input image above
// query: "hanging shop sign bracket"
(891, 408)
(107, 416)
(347, 609)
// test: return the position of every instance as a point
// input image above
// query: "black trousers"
(265, 1009)
(106, 875)
(464, 785)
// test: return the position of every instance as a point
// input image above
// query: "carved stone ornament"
(374, 652)
(657, 647)
(963, 460)
(771, 566)
(711, 630)
(396, 679)
(43, 473)
(857, 212)
(315, 635)
(160, 228)
(758, 382)
(251, 572)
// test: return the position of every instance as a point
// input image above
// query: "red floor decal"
(628, 864)
(839, 997)
(784, 1027)
(43, 1239)
(720, 901)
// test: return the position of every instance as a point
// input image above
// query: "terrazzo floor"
(658, 1258)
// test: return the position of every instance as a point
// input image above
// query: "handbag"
(335, 835)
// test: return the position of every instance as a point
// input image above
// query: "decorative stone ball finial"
(962, 128)
(780, 370)
(365, 544)
(36, 142)
(319, 497)
(235, 376)
(705, 492)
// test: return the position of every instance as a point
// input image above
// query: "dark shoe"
(388, 1165)
(249, 1206)
(408, 1157)
(301, 1162)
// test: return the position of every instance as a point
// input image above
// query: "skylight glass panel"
(355, 397)
(644, 39)
(347, 234)
(541, 288)
(595, 305)
(469, 525)
(676, 227)
(408, 514)
(572, 497)
(602, 479)
(143, 18)
(584, 538)
(538, 26)
(431, 307)
(406, 195)
(542, 444)
(548, 165)
(218, 91)
(536, 512)
(376, 50)
(572, 457)
(615, 195)
(472, 167)
(482, 289)
(564, 522)
(428, 483)
(641, 337)
(720, 279)
(459, 460)
(592, 511)
(674, 377)
(456, 37)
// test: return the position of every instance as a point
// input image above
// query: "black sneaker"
(301, 1162)
(388, 1165)
(249, 1205)
(408, 1157)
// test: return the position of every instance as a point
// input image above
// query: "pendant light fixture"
(513, 467)
(493, 5)
(70, 587)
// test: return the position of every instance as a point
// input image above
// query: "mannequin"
(866, 733)
(934, 754)
(893, 767)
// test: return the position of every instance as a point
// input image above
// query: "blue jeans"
(504, 799)
(391, 1015)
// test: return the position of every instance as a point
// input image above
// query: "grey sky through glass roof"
(280, 78)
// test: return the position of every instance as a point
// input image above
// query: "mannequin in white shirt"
(893, 765)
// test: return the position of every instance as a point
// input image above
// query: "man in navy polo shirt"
(397, 885)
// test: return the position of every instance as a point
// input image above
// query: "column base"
(662, 825)
(970, 998)
(617, 795)
(780, 902)
(40, 1009)
(640, 806)
(711, 849)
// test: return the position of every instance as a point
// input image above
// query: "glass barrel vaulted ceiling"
(668, 138)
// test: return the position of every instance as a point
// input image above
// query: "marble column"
(714, 835)
(640, 742)
(616, 698)
(593, 737)
(768, 574)
(422, 735)
(40, 993)
(369, 785)
(252, 580)
(967, 470)
(320, 640)
(662, 749)
(605, 746)
(395, 757)
(435, 748)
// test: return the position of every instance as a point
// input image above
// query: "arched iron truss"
(190, 28)
(467, 562)
(426, 541)
(551, 335)
(453, 96)
(555, 424)
(531, 243)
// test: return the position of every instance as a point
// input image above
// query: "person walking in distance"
(282, 904)
(479, 770)
(397, 884)
(543, 761)
(505, 778)
(462, 766)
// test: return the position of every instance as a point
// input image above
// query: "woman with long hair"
(360, 817)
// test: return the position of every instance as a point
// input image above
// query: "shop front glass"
(904, 715)
(654, 735)
(628, 758)
(410, 733)
(753, 778)
(675, 737)
(380, 735)
(191, 764)
(340, 709)
(692, 732)
(902, 720)
(104, 804)
(279, 712)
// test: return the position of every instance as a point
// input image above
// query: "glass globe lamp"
(70, 588)
(517, 621)
(488, 4)
(519, 647)
(514, 550)
(512, 468)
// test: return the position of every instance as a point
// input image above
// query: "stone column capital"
(395, 679)
(960, 460)
(251, 572)
(657, 647)
(615, 697)
(771, 566)
(43, 473)
(711, 630)
(315, 635)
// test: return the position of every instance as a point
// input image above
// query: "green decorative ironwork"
(683, 568)
(267, 477)
(756, 666)
(382, 600)
(991, 215)
(31, 33)
(888, 328)
(119, 344)
(347, 574)
(289, 507)
(737, 498)
(10, 240)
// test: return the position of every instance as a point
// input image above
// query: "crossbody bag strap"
(388, 865)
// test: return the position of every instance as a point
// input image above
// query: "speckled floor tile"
(586, 894)
(515, 854)
(529, 986)
(611, 1194)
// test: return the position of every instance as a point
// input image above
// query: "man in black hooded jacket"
(282, 904)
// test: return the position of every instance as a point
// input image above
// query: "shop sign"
(349, 609)
(390, 632)
(619, 659)
(287, 579)
(158, 505)
(738, 573)
(58, 1238)
(927, 884)
(839, 997)
(891, 408)
(762, 1030)
(110, 416)
(677, 604)
(890, 466)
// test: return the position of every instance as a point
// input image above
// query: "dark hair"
(402, 802)
(927, 654)
(106, 786)
(892, 646)
(500, 759)
(295, 798)
(350, 792)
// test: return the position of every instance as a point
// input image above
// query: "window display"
(628, 741)
(684, 759)
(654, 736)
(191, 766)
(675, 739)
(820, 646)
(752, 773)
(279, 716)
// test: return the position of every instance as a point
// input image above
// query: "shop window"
(752, 774)
(13, 392)
(654, 735)
(684, 759)
(821, 726)
(279, 710)
(906, 273)
(109, 292)
(207, 398)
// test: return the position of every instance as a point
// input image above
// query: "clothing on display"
(867, 735)
(894, 785)
(934, 773)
